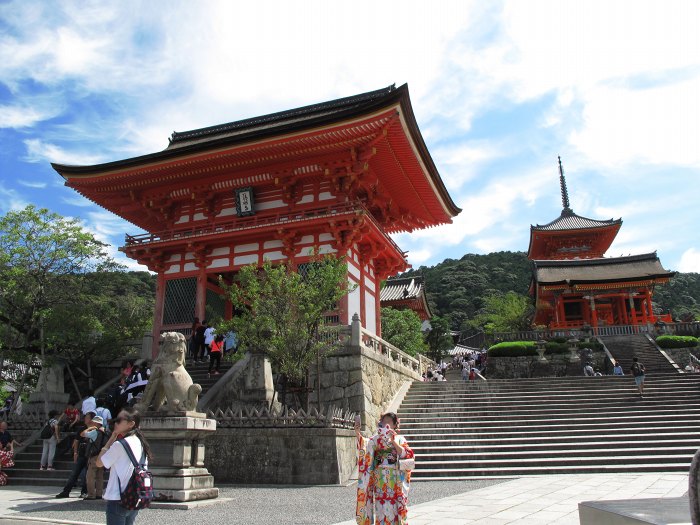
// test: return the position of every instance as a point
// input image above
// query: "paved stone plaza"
(531, 500)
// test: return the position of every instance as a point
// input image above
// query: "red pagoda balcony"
(257, 223)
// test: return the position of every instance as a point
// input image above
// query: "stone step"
(508, 472)
(572, 426)
(534, 409)
(641, 415)
(574, 452)
(478, 446)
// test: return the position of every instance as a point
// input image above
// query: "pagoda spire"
(564, 191)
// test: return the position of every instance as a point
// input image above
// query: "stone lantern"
(540, 347)
(573, 347)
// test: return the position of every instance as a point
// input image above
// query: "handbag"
(407, 464)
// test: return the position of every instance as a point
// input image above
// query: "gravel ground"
(265, 505)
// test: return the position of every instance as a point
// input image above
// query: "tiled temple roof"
(635, 267)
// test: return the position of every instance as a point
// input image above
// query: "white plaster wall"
(252, 247)
(246, 259)
(274, 256)
(353, 301)
(273, 244)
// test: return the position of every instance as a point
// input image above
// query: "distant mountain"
(456, 288)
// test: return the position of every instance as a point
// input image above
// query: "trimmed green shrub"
(677, 341)
(556, 347)
(512, 349)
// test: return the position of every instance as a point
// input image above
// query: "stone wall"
(362, 380)
(557, 365)
(298, 456)
(682, 355)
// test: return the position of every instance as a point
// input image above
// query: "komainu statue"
(170, 387)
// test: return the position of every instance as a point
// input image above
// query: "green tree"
(510, 312)
(282, 313)
(402, 328)
(56, 302)
(439, 339)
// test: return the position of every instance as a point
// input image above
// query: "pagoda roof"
(568, 220)
(611, 269)
(376, 130)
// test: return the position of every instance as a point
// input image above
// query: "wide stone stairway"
(624, 347)
(552, 426)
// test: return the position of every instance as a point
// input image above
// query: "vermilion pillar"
(158, 313)
(201, 300)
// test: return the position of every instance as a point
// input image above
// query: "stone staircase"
(26, 470)
(198, 372)
(505, 428)
(623, 348)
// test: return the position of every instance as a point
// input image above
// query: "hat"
(98, 420)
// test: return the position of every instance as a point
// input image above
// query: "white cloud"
(10, 200)
(23, 116)
(32, 184)
(78, 201)
(40, 151)
(690, 261)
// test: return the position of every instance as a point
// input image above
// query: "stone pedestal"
(258, 385)
(50, 378)
(177, 441)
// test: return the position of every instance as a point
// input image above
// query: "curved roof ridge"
(569, 220)
(181, 136)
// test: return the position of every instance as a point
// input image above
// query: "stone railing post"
(540, 348)
(355, 331)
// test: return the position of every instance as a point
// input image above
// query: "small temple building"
(406, 293)
(335, 177)
(575, 285)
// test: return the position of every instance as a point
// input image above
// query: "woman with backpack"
(114, 456)
(50, 436)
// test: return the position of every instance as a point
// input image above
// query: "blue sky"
(499, 90)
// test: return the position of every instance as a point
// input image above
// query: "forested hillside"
(457, 289)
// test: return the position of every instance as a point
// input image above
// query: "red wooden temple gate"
(337, 177)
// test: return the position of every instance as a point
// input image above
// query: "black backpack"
(637, 369)
(47, 430)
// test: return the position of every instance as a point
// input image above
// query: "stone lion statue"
(170, 387)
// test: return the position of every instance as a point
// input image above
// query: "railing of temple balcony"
(256, 221)
(360, 336)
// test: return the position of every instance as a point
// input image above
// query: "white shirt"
(120, 466)
(89, 405)
(209, 335)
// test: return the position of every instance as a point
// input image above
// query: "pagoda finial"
(564, 192)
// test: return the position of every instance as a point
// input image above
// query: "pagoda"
(335, 177)
(575, 285)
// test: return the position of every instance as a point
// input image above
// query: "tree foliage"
(283, 314)
(59, 282)
(439, 339)
(402, 328)
(510, 312)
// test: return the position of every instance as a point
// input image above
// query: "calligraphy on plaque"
(245, 203)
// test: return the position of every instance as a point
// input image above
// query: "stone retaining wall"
(681, 355)
(557, 365)
(287, 456)
(361, 380)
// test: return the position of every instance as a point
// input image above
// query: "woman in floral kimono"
(382, 488)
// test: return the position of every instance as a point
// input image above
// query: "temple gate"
(336, 177)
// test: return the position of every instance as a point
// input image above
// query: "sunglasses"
(120, 419)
